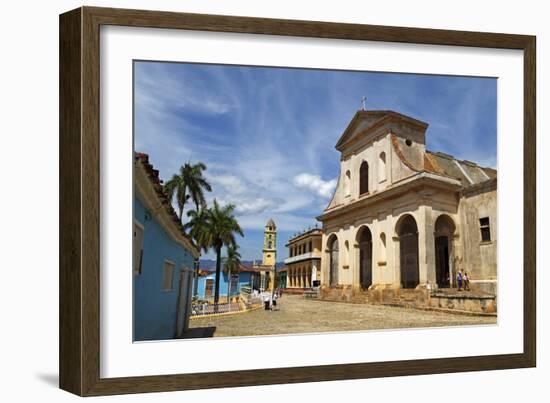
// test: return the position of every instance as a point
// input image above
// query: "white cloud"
(160, 93)
(315, 184)
(230, 183)
(253, 206)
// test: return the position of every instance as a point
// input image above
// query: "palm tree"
(189, 183)
(197, 227)
(215, 228)
(231, 265)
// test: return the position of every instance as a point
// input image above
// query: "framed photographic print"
(249, 201)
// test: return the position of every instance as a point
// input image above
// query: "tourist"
(466, 281)
(267, 301)
(459, 280)
(274, 302)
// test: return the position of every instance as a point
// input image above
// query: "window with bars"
(485, 228)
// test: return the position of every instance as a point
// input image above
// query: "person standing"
(267, 301)
(466, 281)
(274, 302)
(459, 280)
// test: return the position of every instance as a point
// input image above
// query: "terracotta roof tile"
(153, 175)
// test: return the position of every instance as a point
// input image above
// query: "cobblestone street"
(299, 315)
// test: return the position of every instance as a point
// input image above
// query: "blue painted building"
(206, 283)
(163, 260)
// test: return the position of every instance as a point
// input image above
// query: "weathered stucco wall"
(382, 220)
(480, 258)
(399, 185)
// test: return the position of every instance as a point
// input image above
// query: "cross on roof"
(363, 102)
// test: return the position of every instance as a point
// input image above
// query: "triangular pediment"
(365, 121)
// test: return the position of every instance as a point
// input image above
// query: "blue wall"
(155, 309)
(244, 279)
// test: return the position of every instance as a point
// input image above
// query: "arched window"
(347, 182)
(364, 178)
(382, 167)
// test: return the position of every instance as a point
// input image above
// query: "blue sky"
(267, 135)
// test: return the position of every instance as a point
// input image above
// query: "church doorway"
(333, 260)
(408, 252)
(364, 240)
(444, 231)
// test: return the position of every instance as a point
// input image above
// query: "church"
(403, 217)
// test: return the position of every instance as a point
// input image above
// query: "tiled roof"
(469, 173)
(156, 182)
(245, 268)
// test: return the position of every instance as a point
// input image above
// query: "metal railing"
(204, 309)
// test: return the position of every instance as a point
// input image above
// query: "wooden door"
(442, 271)
(408, 249)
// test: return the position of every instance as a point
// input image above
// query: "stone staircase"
(385, 296)
(444, 299)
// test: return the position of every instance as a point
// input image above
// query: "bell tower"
(270, 244)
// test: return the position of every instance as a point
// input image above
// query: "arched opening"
(444, 231)
(407, 231)
(333, 252)
(382, 167)
(364, 178)
(347, 183)
(364, 240)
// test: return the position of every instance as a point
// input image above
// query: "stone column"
(455, 257)
(393, 256)
(324, 261)
(426, 245)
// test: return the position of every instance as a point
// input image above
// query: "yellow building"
(269, 256)
(304, 260)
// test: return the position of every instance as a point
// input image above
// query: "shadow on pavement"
(199, 332)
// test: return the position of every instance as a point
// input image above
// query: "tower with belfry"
(269, 256)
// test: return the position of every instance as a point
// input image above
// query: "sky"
(267, 134)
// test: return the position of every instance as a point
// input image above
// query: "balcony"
(303, 256)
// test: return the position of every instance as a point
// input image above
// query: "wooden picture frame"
(80, 199)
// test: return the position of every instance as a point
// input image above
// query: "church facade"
(404, 217)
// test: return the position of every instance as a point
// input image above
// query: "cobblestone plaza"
(298, 315)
